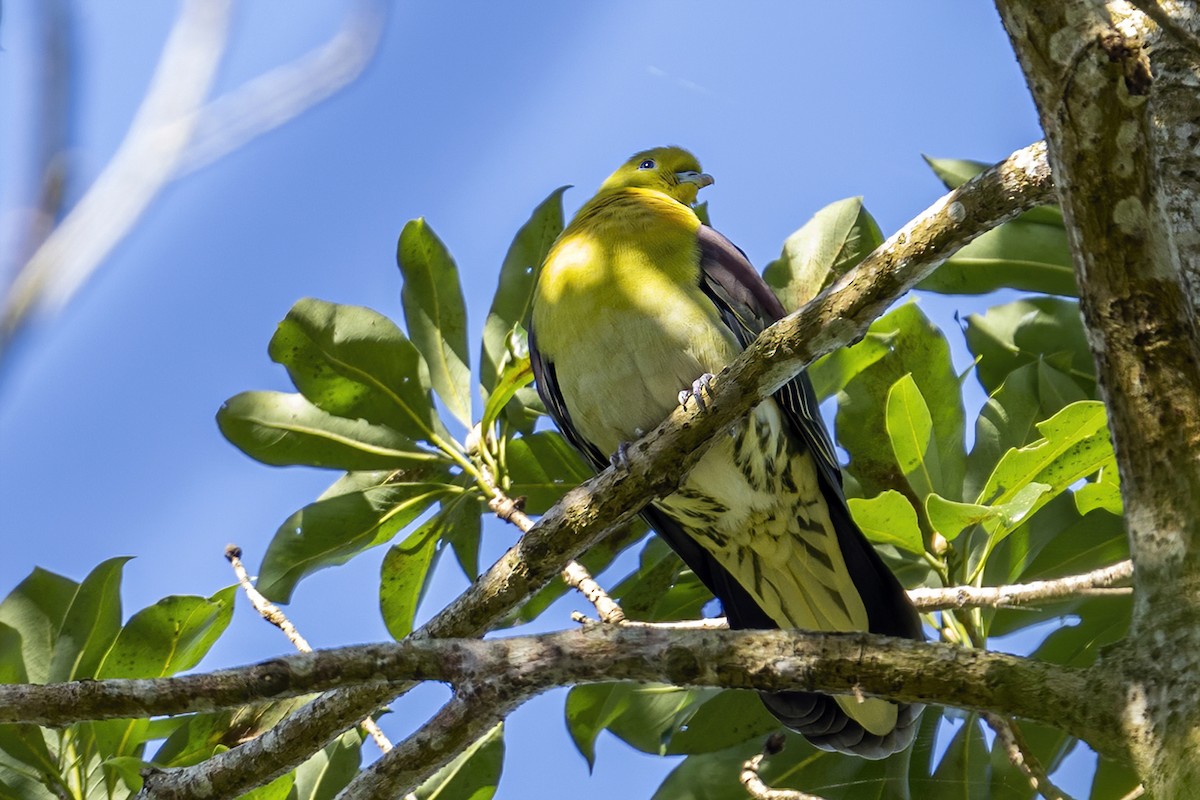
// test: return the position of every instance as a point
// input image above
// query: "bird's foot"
(697, 392)
(620, 459)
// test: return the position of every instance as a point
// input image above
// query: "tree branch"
(512, 669)
(1022, 593)
(837, 317)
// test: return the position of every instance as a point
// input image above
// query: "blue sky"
(470, 114)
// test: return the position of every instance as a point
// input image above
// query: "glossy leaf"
(436, 315)
(910, 430)
(90, 625)
(283, 429)
(950, 518)
(279, 789)
(462, 528)
(644, 716)
(714, 776)
(1027, 331)
(168, 637)
(334, 529)
(920, 349)
(1103, 493)
(199, 736)
(1022, 254)
(1075, 445)
(822, 250)
(515, 375)
(730, 718)
(472, 775)
(965, 770)
(354, 362)
(1101, 621)
(34, 611)
(542, 467)
(330, 769)
(831, 373)
(405, 570)
(661, 588)
(518, 274)
(888, 518)
(1029, 394)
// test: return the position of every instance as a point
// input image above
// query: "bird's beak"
(701, 179)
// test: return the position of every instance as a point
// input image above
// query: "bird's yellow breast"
(619, 312)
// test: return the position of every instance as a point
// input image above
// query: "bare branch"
(1018, 752)
(1020, 594)
(272, 614)
(757, 788)
(586, 514)
(1163, 19)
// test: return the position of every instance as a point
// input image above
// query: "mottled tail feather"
(821, 720)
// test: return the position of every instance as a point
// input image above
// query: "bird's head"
(671, 170)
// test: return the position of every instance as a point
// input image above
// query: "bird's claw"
(620, 459)
(697, 392)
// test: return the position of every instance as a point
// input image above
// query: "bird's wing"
(556, 406)
(748, 306)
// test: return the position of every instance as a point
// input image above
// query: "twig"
(1168, 23)
(1135, 792)
(757, 788)
(272, 614)
(1021, 593)
(601, 505)
(1018, 752)
(574, 574)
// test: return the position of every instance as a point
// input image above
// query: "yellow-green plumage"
(623, 324)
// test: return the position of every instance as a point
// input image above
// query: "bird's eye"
(647, 164)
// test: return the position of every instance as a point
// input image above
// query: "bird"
(637, 305)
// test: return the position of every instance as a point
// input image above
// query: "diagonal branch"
(837, 317)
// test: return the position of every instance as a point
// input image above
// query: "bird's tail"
(820, 718)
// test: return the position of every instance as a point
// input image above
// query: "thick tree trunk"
(1119, 102)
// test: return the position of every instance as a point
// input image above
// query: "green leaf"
(26, 744)
(831, 373)
(965, 770)
(821, 251)
(283, 429)
(1029, 394)
(918, 348)
(334, 529)
(950, 518)
(1113, 780)
(1103, 493)
(162, 640)
(472, 775)
(278, 789)
(516, 374)
(1075, 444)
(1027, 331)
(199, 736)
(436, 314)
(35, 611)
(661, 588)
(330, 769)
(888, 518)
(168, 637)
(1050, 746)
(518, 274)
(91, 623)
(910, 429)
(1022, 254)
(354, 362)
(542, 467)
(644, 716)
(714, 776)
(462, 528)
(404, 572)
(730, 718)
(1102, 621)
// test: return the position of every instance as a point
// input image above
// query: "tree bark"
(1117, 99)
